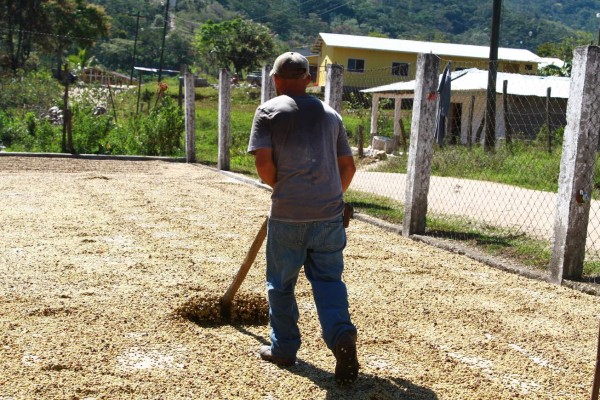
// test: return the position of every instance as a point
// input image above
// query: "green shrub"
(161, 132)
(36, 91)
(89, 131)
(11, 130)
(30, 123)
(48, 137)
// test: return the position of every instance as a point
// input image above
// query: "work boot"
(346, 366)
(267, 355)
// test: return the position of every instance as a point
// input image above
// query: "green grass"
(376, 206)
(244, 103)
(524, 165)
(492, 240)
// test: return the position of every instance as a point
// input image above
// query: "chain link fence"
(502, 196)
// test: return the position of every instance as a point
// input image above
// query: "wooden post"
(374, 115)
(470, 122)
(489, 140)
(403, 135)
(190, 117)
(334, 86)
(65, 108)
(140, 77)
(67, 134)
(267, 86)
(182, 70)
(548, 126)
(480, 129)
(397, 123)
(421, 144)
(361, 141)
(507, 130)
(224, 119)
(596, 382)
(112, 99)
(575, 182)
(490, 114)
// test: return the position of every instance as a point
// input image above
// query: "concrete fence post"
(267, 85)
(334, 86)
(575, 182)
(190, 117)
(224, 119)
(421, 144)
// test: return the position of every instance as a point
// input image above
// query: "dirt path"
(529, 211)
(96, 256)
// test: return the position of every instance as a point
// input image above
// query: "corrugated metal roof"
(155, 70)
(476, 80)
(413, 46)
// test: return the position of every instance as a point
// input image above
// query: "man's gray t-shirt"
(306, 136)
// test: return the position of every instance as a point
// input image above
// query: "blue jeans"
(318, 246)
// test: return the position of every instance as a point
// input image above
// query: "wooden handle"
(596, 384)
(243, 271)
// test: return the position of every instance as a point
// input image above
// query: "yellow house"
(370, 61)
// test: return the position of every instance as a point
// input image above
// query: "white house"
(531, 101)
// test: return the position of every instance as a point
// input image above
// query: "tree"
(47, 26)
(74, 23)
(564, 48)
(18, 22)
(238, 42)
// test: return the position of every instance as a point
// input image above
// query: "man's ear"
(277, 81)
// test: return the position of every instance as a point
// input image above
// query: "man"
(301, 150)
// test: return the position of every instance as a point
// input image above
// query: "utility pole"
(490, 114)
(137, 27)
(162, 49)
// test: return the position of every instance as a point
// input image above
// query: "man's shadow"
(367, 386)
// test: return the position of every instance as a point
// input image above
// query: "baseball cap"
(290, 65)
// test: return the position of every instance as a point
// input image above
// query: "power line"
(282, 11)
(50, 34)
(186, 20)
(335, 8)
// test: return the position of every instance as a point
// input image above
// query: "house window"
(399, 69)
(356, 65)
(528, 67)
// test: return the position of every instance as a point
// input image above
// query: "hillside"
(296, 24)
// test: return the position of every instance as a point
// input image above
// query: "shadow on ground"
(369, 386)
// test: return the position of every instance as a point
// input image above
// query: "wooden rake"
(243, 271)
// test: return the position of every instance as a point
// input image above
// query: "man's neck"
(293, 93)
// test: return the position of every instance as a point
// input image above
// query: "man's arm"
(263, 160)
(347, 170)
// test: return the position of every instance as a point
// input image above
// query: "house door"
(454, 123)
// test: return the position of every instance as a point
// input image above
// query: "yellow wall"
(378, 65)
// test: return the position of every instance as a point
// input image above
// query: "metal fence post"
(421, 144)
(267, 85)
(577, 166)
(224, 119)
(334, 86)
(190, 117)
